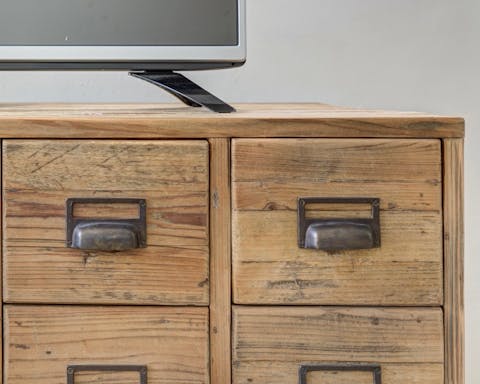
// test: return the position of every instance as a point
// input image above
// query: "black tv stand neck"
(184, 89)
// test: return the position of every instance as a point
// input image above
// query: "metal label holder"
(374, 368)
(141, 369)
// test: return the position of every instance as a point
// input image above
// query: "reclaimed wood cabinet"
(280, 244)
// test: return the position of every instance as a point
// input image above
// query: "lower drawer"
(337, 345)
(97, 343)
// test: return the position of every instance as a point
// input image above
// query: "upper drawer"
(270, 175)
(38, 178)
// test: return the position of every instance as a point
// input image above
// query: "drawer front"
(38, 178)
(41, 342)
(337, 345)
(270, 175)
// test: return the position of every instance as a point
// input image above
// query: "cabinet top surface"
(250, 120)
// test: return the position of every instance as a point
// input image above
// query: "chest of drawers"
(281, 244)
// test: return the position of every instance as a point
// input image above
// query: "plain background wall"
(419, 55)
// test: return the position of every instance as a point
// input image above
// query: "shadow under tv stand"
(184, 89)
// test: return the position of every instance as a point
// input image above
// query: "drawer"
(171, 176)
(337, 345)
(270, 175)
(42, 341)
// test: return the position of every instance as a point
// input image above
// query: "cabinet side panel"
(220, 261)
(1, 261)
(453, 249)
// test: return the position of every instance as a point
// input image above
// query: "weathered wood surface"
(40, 341)
(260, 372)
(38, 269)
(220, 262)
(269, 175)
(454, 267)
(270, 344)
(250, 120)
(38, 177)
(107, 377)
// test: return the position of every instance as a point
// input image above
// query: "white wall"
(410, 55)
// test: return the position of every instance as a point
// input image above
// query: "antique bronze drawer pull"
(339, 233)
(106, 234)
(141, 369)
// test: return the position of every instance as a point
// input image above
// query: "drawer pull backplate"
(339, 233)
(108, 235)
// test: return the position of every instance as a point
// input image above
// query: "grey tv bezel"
(134, 58)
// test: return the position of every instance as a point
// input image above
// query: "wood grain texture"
(454, 266)
(270, 269)
(220, 262)
(260, 372)
(38, 177)
(40, 341)
(251, 120)
(270, 344)
(269, 175)
(106, 377)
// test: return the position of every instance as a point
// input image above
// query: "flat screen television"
(149, 38)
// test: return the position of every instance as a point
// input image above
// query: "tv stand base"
(184, 89)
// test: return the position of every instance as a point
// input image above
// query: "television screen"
(118, 22)
(122, 34)
(149, 38)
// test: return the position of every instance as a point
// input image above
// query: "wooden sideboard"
(298, 243)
